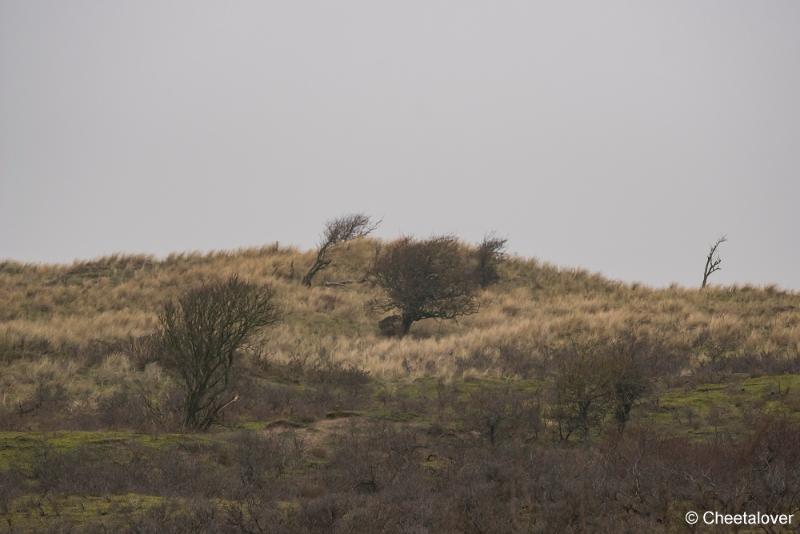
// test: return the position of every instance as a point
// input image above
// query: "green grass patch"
(18, 448)
(707, 409)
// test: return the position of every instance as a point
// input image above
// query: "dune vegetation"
(568, 402)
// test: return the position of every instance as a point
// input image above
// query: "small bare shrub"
(200, 334)
(489, 254)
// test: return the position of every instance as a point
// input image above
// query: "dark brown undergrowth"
(389, 477)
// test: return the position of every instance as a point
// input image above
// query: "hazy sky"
(622, 137)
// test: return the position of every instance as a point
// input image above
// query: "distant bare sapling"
(713, 260)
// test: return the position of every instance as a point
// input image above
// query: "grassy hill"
(336, 422)
(60, 310)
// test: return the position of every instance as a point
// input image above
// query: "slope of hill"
(59, 310)
(83, 396)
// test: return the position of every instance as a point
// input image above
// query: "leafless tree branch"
(713, 260)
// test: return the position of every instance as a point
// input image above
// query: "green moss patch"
(707, 409)
(18, 448)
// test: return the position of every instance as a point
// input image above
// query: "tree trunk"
(406, 324)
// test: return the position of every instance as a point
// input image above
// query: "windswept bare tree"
(337, 231)
(489, 254)
(713, 260)
(199, 336)
(428, 279)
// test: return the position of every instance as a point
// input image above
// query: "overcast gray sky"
(622, 137)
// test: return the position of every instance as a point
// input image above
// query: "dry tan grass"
(62, 309)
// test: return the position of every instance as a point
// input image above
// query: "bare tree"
(337, 231)
(594, 377)
(430, 279)
(713, 260)
(489, 254)
(579, 393)
(199, 335)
